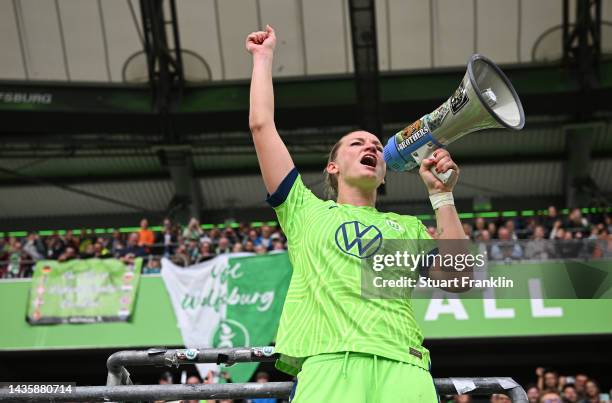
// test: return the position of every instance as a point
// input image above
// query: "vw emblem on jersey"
(357, 239)
(394, 225)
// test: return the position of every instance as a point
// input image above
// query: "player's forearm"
(261, 112)
(454, 243)
(448, 223)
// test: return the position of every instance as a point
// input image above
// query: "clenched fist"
(442, 162)
(261, 41)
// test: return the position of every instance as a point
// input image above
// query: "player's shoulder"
(405, 219)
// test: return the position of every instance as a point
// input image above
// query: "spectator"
(70, 240)
(214, 235)
(462, 399)
(181, 257)
(569, 394)
(193, 250)
(132, 250)
(499, 398)
(145, 235)
(550, 381)
(153, 266)
(4, 255)
(164, 379)
(34, 247)
(509, 225)
(277, 246)
(15, 258)
(603, 245)
(577, 223)
(230, 234)
(263, 377)
(237, 248)
(479, 226)
(557, 232)
(100, 252)
(193, 230)
(249, 246)
(533, 394)
(505, 249)
(223, 246)
(550, 219)
(550, 396)
(492, 228)
(193, 380)
(567, 247)
(116, 243)
(265, 239)
(206, 251)
(260, 249)
(56, 247)
(85, 240)
(595, 231)
(538, 248)
(591, 390)
(484, 243)
(69, 254)
(580, 384)
(88, 252)
(253, 237)
(529, 229)
(166, 238)
(467, 230)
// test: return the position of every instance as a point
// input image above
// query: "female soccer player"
(342, 347)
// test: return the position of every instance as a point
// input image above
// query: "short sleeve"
(422, 231)
(291, 200)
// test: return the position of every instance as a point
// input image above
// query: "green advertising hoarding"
(83, 291)
(154, 323)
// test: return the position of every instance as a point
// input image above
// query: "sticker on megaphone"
(484, 99)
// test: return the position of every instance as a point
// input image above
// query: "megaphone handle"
(443, 176)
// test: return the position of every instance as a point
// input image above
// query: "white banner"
(205, 282)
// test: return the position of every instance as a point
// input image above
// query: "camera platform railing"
(120, 388)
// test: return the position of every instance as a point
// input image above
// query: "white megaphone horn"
(485, 99)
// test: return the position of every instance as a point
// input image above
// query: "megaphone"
(485, 99)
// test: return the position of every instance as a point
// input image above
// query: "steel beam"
(582, 42)
(365, 58)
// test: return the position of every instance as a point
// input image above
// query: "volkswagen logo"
(357, 239)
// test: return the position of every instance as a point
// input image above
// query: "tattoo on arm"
(439, 231)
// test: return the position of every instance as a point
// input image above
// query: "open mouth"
(369, 160)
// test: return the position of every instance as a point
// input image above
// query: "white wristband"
(441, 199)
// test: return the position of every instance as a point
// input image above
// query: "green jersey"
(324, 311)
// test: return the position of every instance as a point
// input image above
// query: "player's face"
(359, 161)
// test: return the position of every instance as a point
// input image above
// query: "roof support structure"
(167, 81)
(365, 57)
(165, 65)
(582, 41)
(187, 200)
(582, 54)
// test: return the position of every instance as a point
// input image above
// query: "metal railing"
(119, 386)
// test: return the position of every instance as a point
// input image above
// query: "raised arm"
(449, 225)
(272, 154)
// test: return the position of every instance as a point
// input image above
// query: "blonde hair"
(331, 180)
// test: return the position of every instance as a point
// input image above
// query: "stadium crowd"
(549, 236)
(552, 387)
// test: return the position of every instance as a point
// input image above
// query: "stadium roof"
(93, 40)
(97, 148)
